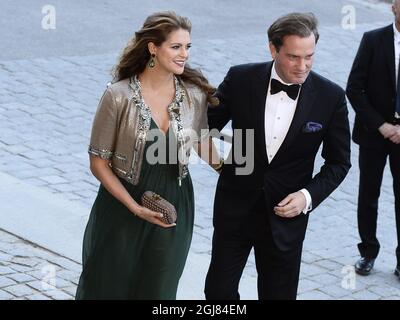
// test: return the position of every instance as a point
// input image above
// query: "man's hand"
(388, 130)
(291, 206)
(395, 138)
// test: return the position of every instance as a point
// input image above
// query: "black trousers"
(372, 163)
(278, 272)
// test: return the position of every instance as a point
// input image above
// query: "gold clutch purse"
(155, 202)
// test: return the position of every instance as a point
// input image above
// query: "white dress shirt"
(396, 53)
(279, 112)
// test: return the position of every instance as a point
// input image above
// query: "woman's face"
(173, 53)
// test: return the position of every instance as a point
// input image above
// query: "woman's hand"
(102, 171)
(152, 217)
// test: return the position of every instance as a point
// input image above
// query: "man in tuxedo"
(373, 90)
(292, 111)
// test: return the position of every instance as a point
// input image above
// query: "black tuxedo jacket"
(371, 87)
(242, 97)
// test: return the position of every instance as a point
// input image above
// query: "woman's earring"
(152, 62)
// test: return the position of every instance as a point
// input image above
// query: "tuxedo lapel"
(388, 45)
(259, 95)
(303, 108)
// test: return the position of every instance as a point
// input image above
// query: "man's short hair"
(298, 24)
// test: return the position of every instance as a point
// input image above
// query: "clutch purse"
(155, 202)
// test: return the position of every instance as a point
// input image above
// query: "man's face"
(396, 10)
(294, 60)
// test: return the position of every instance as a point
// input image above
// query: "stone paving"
(34, 273)
(47, 105)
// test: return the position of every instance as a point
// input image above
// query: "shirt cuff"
(308, 201)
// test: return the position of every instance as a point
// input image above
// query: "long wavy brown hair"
(156, 29)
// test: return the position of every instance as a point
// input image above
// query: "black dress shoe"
(364, 266)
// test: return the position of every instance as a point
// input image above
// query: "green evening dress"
(126, 257)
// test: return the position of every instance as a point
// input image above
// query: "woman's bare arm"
(208, 152)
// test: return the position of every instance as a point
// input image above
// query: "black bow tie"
(291, 90)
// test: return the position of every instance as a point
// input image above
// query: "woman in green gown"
(145, 125)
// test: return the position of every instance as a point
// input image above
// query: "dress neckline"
(170, 106)
(158, 128)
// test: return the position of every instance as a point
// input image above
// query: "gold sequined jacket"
(122, 122)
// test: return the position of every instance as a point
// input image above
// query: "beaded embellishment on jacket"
(144, 120)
